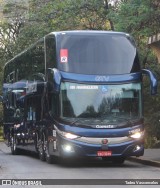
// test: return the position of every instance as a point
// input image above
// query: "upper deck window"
(97, 54)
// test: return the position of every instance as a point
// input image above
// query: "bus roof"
(88, 32)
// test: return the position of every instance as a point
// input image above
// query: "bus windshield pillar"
(56, 79)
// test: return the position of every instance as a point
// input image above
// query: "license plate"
(104, 153)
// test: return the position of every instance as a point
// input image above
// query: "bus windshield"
(103, 104)
(97, 54)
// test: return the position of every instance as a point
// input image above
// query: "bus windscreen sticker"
(64, 55)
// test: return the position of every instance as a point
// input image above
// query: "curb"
(145, 161)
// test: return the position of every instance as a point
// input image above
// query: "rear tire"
(36, 143)
(41, 148)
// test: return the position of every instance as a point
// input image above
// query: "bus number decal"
(102, 78)
(64, 55)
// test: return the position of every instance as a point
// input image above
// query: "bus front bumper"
(114, 148)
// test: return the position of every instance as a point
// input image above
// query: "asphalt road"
(30, 167)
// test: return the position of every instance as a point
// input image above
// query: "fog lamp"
(136, 148)
(67, 148)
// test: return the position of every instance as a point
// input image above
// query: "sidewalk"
(151, 157)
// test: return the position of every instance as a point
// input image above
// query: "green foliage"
(1, 133)
(139, 17)
(70, 14)
(149, 141)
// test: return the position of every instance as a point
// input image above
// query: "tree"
(54, 15)
(10, 27)
(71, 14)
(13, 20)
(141, 19)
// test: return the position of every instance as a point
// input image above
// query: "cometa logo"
(104, 126)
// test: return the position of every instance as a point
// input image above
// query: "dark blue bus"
(76, 94)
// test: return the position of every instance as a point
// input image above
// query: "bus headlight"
(137, 135)
(70, 135)
(66, 134)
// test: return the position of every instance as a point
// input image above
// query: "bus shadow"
(94, 162)
(80, 162)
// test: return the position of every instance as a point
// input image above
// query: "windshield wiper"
(126, 119)
(117, 117)
(75, 121)
(72, 121)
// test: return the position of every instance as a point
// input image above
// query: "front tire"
(49, 157)
(13, 145)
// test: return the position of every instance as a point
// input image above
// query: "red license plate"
(104, 153)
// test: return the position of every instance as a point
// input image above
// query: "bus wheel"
(37, 143)
(49, 158)
(13, 145)
(41, 148)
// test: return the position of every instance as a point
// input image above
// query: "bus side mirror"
(153, 81)
(55, 79)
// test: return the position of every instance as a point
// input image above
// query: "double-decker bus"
(76, 94)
